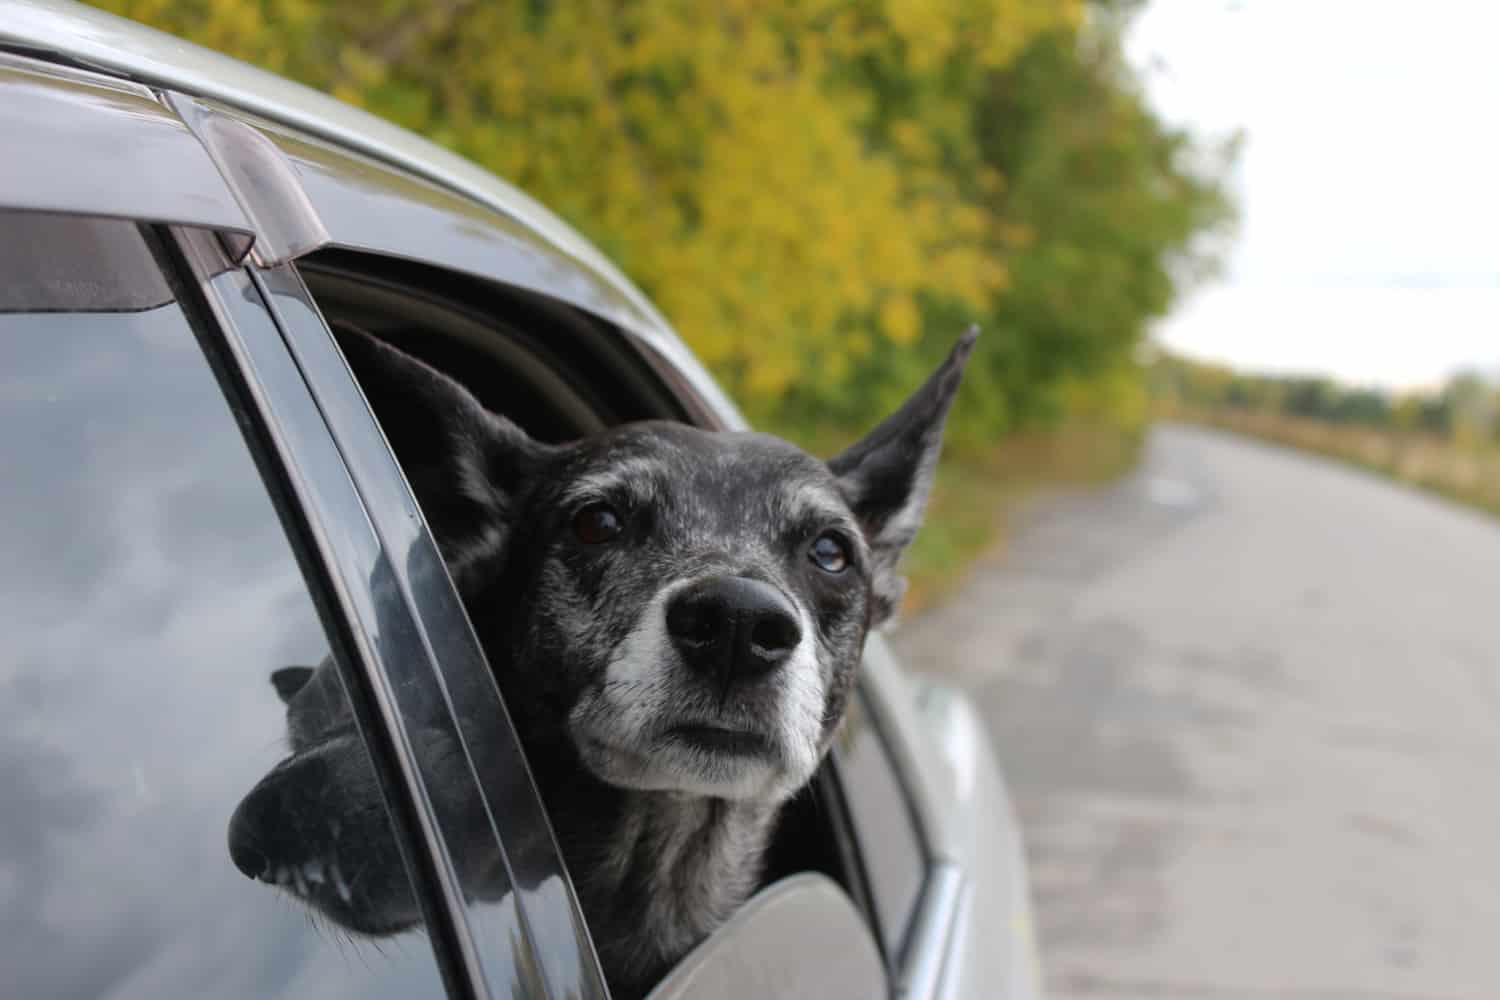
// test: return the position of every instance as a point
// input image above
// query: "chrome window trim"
(329, 507)
(542, 889)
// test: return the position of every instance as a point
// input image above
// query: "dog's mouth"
(718, 740)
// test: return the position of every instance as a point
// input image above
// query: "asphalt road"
(1249, 705)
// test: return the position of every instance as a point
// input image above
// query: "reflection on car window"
(148, 598)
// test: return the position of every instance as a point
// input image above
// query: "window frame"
(294, 453)
(445, 657)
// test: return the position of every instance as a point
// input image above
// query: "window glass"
(147, 597)
(889, 843)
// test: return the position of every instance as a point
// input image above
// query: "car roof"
(82, 36)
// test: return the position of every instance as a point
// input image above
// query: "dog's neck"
(655, 872)
(659, 871)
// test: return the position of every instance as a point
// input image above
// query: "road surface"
(1249, 704)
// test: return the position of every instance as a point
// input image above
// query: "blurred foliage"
(1465, 410)
(820, 195)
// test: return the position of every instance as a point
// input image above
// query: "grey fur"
(663, 833)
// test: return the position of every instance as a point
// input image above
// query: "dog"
(675, 618)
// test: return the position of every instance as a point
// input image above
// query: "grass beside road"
(1469, 474)
(975, 495)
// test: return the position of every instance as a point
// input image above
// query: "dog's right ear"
(888, 474)
(465, 463)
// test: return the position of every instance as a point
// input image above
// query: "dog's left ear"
(465, 463)
(887, 475)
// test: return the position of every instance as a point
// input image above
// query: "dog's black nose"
(732, 627)
(270, 827)
(248, 832)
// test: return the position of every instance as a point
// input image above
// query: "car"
(197, 494)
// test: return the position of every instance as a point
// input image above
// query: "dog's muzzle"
(731, 629)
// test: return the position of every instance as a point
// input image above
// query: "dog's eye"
(596, 523)
(829, 553)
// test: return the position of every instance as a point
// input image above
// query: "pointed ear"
(887, 475)
(289, 680)
(465, 464)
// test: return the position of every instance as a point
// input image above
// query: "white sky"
(1369, 182)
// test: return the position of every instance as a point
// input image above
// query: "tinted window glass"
(148, 593)
(891, 849)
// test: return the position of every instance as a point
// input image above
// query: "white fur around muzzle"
(647, 689)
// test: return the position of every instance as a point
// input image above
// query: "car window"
(891, 848)
(156, 825)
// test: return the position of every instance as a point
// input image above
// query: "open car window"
(559, 374)
(555, 371)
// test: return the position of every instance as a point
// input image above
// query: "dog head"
(688, 607)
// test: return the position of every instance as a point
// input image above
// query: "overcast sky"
(1369, 183)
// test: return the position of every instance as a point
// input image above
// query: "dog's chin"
(692, 759)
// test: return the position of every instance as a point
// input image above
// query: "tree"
(1103, 213)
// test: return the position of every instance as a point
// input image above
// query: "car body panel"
(979, 880)
(993, 937)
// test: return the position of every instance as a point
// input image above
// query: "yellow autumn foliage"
(787, 180)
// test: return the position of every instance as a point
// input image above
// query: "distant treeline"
(1465, 409)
